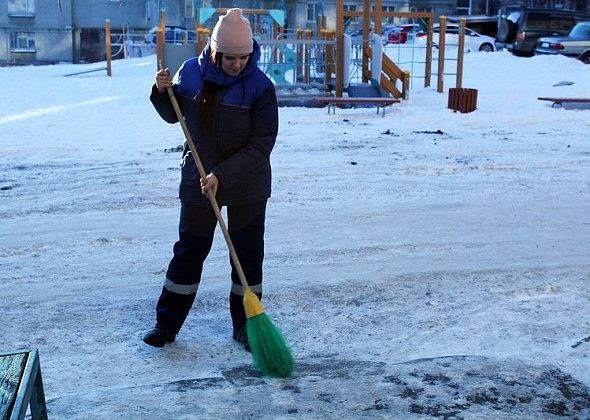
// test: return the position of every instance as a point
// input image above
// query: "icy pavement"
(422, 264)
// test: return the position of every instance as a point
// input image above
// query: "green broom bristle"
(269, 349)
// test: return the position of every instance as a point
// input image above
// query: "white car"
(473, 40)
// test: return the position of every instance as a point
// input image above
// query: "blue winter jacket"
(237, 148)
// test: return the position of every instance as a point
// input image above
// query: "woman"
(230, 108)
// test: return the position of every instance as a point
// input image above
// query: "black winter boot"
(157, 337)
(242, 338)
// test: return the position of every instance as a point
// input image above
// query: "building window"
(311, 12)
(189, 9)
(22, 41)
(21, 8)
(463, 7)
(388, 9)
(351, 8)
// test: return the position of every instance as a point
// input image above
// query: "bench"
(381, 103)
(560, 101)
(21, 385)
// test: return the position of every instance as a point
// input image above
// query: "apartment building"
(52, 31)
(34, 32)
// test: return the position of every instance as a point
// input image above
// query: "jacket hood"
(212, 73)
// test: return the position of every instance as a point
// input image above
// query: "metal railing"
(298, 61)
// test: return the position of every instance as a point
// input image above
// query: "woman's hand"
(209, 184)
(163, 80)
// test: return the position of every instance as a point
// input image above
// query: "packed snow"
(425, 263)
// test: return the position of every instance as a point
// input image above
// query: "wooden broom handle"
(210, 195)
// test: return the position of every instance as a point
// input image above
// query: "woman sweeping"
(230, 108)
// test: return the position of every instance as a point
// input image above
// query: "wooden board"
(12, 367)
(382, 101)
(562, 100)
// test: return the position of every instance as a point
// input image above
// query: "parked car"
(575, 44)
(357, 35)
(386, 29)
(173, 34)
(482, 24)
(521, 28)
(473, 40)
(401, 34)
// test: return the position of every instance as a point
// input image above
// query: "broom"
(269, 349)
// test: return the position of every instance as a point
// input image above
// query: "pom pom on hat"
(232, 34)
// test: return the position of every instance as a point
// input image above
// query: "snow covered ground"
(427, 263)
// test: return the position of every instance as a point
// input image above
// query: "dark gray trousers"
(196, 228)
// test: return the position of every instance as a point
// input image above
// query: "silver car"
(575, 44)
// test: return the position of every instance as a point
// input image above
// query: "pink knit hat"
(232, 34)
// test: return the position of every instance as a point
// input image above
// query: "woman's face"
(233, 64)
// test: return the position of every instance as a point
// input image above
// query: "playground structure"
(302, 62)
(298, 65)
(389, 74)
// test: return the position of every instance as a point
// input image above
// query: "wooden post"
(339, 47)
(441, 53)
(160, 48)
(202, 34)
(299, 56)
(460, 53)
(428, 65)
(107, 40)
(329, 56)
(163, 19)
(406, 85)
(161, 39)
(378, 16)
(306, 77)
(366, 27)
